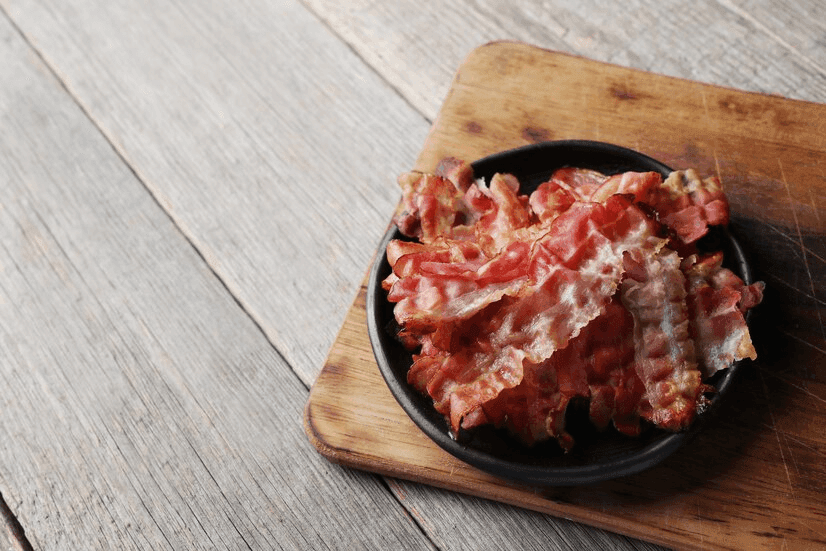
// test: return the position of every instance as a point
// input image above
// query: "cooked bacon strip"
(598, 363)
(549, 200)
(470, 378)
(654, 292)
(442, 256)
(717, 300)
(449, 204)
(638, 184)
(577, 267)
(430, 206)
(436, 287)
(688, 204)
(459, 172)
(582, 182)
(607, 355)
(589, 185)
(425, 367)
(684, 202)
(406, 257)
(508, 213)
(535, 409)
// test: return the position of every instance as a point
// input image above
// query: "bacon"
(430, 206)
(717, 300)
(638, 184)
(577, 267)
(579, 181)
(590, 185)
(654, 293)
(568, 281)
(598, 363)
(607, 354)
(459, 172)
(472, 377)
(507, 214)
(535, 409)
(549, 200)
(518, 305)
(443, 285)
(425, 367)
(688, 204)
(684, 202)
(450, 204)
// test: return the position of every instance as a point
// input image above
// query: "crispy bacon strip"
(582, 182)
(459, 172)
(450, 204)
(429, 206)
(590, 185)
(654, 293)
(507, 214)
(443, 285)
(689, 204)
(717, 300)
(535, 409)
(638, 184)
(607, 354)
(684, 202)
(577, 267)
(550, 200)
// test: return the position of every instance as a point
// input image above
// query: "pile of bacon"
(590, 287)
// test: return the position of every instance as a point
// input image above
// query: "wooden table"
(190, 195)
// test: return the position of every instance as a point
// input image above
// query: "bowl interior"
(597, 456)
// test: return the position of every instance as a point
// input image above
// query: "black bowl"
(597, 456)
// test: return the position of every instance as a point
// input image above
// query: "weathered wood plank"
(141, 407)
(759, 45)
(272, 146)
(798, 27)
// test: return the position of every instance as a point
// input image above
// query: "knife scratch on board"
(777, 436)
(802, 248)
(781, 281)
(801, 341)
(814, 206)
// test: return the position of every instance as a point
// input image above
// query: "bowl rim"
(435, 427)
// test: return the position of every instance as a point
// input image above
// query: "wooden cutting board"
(757, 478)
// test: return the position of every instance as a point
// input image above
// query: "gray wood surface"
(762, 46)
(142, 407)
(191, 194)
(267, 142)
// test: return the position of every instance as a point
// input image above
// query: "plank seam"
(410, 515)
(429, 121)
(13, 527)
(12, 523)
